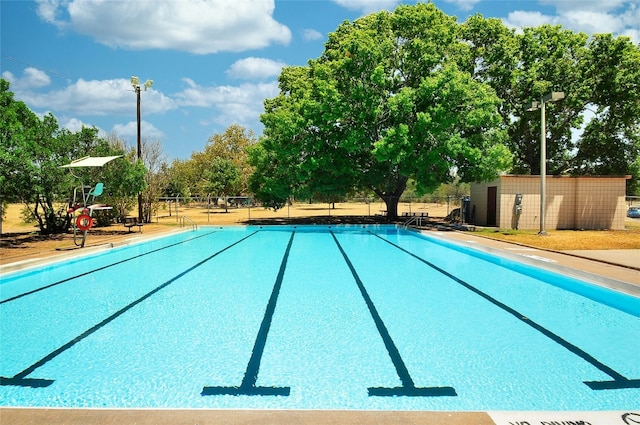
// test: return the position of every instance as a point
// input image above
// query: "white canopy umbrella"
(90, 161)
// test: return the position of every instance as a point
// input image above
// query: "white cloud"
(240, 114)
(7, 75)
(36, 78)
(255, 68)
(32, 78)
(464, 4)
(591, 22)
(196, 95)
(130, 130)
(97, 98)
(620, 17)
(196, 26)
(233, 104)
(602, 6)
(48, 10)
(633, 34)
(368, 6)
(312, 35)
(521, 19)
(74, 125)
(240, 104)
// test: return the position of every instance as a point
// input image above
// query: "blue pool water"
(313, 318)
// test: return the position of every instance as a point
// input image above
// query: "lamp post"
(135, 82)
(533, 106)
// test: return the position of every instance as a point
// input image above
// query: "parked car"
(633, 212)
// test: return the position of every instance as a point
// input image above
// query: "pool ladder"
(183, 222)
(416, 220)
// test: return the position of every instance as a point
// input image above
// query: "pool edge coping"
(589, 277)
(24, 265)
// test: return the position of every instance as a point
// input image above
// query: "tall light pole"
(534, 106)
(135, 82)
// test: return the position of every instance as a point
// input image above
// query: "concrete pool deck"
(18, 416)
(10, 416)
(619, 266)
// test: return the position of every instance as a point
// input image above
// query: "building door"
(492, 200)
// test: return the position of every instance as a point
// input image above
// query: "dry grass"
(565, 240)
(21, 241)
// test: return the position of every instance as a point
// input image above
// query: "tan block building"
(584, 202)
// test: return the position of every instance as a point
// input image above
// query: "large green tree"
(32, 153)
(222, 177)
(123, 177)
(596, 128)
(155, 179)
(387, 101)
(610, 143)
(180, 177)
(232, 146)
(221, 169)
(18, 125)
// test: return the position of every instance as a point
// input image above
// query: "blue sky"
(213, 62)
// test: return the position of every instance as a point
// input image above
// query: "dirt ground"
(568, 240)
(20, 241)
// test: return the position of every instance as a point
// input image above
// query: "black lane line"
(101, 268)
(408, 388)
(619, 381)
(248, 384)
(21, 380)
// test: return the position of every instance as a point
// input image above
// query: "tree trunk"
(391, 201)
(392, 198)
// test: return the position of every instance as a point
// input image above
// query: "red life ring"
(84, 222)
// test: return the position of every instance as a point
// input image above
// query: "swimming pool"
(314, 317)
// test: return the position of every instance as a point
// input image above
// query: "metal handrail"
(411, 220)
(183, 221)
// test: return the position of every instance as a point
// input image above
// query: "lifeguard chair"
(84, 199)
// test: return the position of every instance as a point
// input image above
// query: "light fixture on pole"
(534, 106)
(135, 82)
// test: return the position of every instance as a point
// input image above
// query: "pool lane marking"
(101, 268)
(248, 384)
(21, 379)
(619, 380)
(408, 388)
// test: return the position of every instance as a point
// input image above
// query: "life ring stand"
(84, 222)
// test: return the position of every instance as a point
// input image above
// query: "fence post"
(208, 207)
